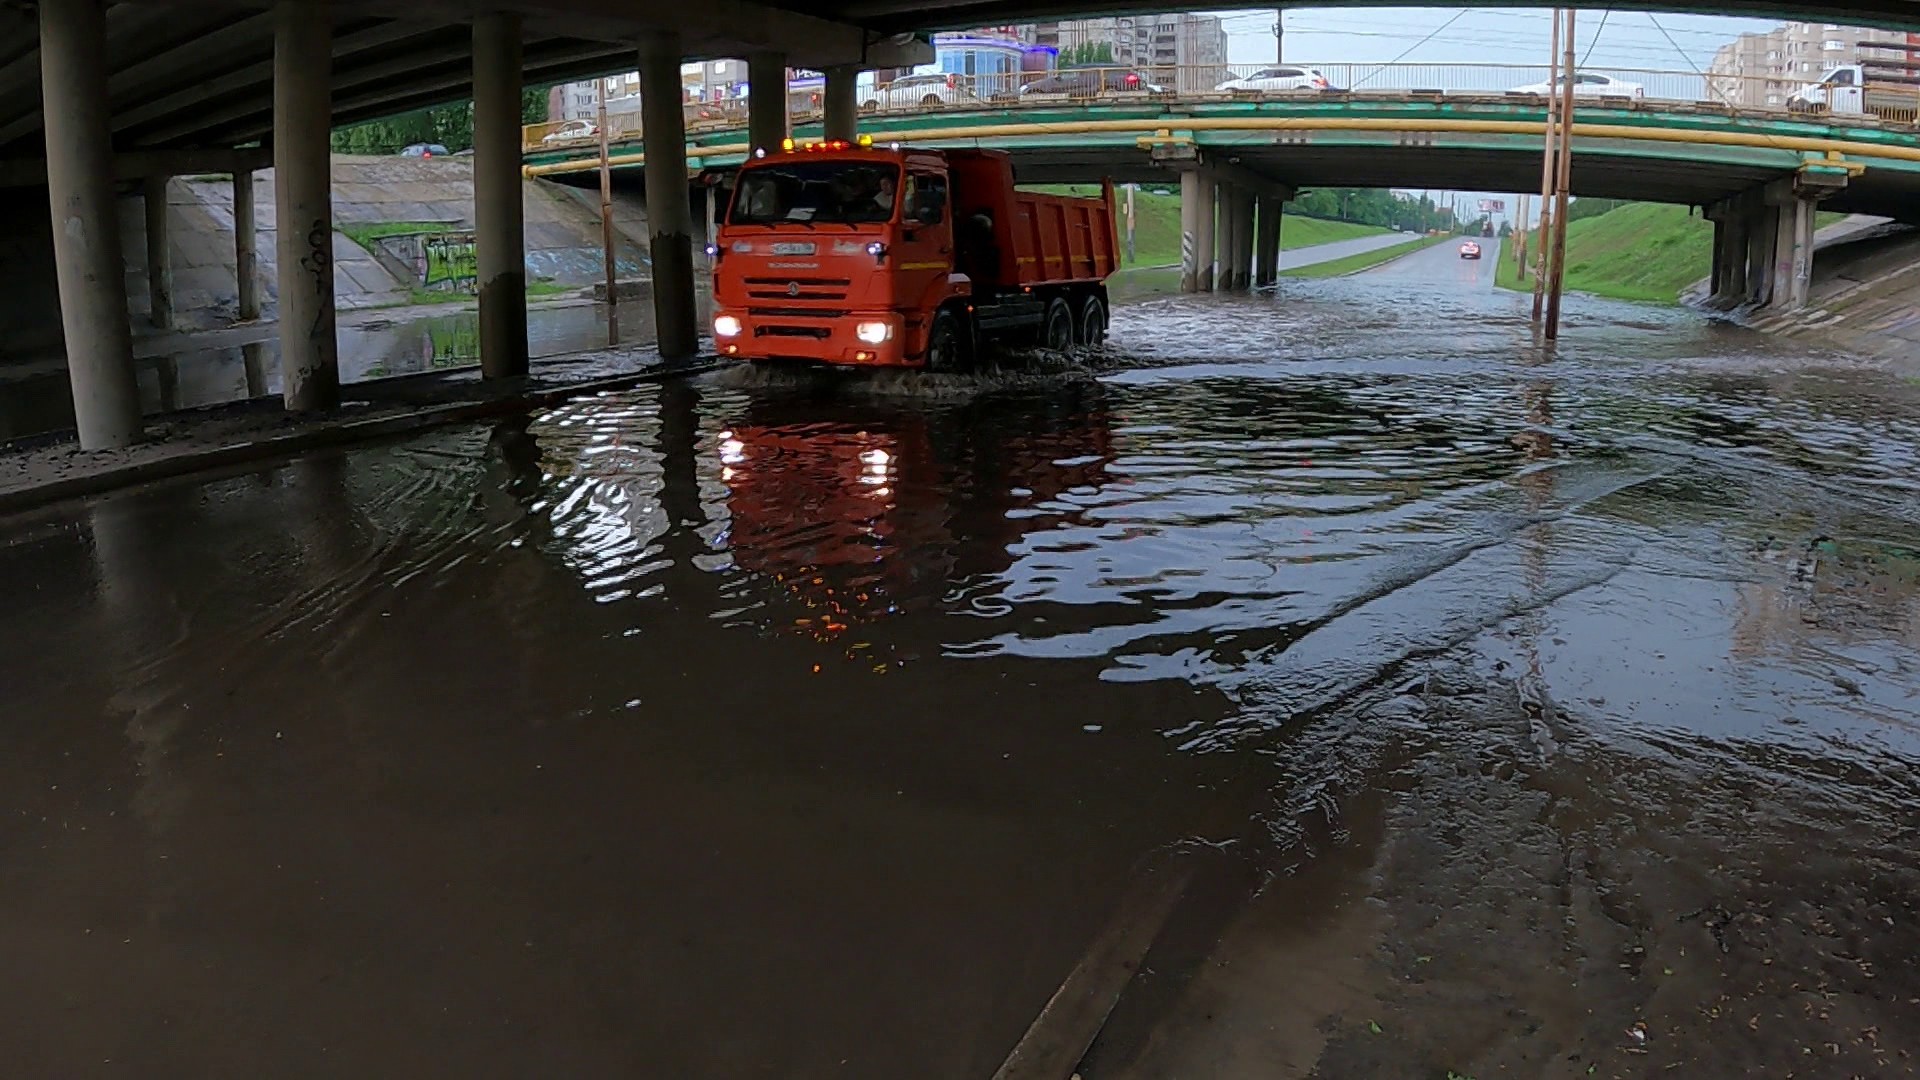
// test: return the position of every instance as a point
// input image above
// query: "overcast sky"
(1481, 35)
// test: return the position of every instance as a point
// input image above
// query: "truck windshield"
(846, 192)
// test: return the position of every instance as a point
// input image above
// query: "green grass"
(1156, 225)
(1649, 252)
(365, 233)
(1352, 263)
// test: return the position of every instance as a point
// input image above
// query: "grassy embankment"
(1641, 251)
(1156, 239)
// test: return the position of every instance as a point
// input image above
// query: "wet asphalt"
(788, 724)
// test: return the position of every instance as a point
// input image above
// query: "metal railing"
(920, 94)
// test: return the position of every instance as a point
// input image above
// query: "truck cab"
(851, 254)
(1838, 91)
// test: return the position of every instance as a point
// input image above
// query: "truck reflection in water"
(830, 507)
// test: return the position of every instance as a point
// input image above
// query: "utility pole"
(1548, 161)
(1561, 186)
(1518, 231)
(1279, 35)
(606, 219)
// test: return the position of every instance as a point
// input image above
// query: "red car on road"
(1469, 250)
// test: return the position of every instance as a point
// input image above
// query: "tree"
(1088, 54)
(449, 125)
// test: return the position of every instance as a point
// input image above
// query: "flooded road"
(1517, 712)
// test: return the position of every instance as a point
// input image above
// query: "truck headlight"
(873, 333)
(726, 326)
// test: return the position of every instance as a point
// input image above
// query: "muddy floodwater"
(1516, 712)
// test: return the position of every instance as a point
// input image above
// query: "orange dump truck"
(854, 254)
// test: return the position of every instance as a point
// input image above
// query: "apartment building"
(1187, 51)
(711, 80)
(1762, 70)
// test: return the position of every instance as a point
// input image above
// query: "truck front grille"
(797, 288)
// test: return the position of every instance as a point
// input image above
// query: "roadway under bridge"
(98, 97)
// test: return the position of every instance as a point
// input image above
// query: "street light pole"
(1561, 188)
(1547, 174)
(606, 219)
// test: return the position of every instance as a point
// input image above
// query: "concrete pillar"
(669, 216)
(1203, 247)
(159, 253)
(1732, 290)
(500, 242)
(1266, 259)
(766, 100)
(1225, 200)
(842, 104)
(1800, 281)
(302, 194)
(1760, 254)
(88, 262)
(1190, 200)
(246, 252)
(1240, 252)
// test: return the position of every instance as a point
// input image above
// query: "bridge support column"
(1266, 260)
(1759, 275)
(1240, 251)
(302, 194)
(766, 100)
(1793, 254)
(87, 256)
(842, 102)
(500, 242)
(1190, 181)
(669, 211)
(246, 253)
(1205, 260)
(153, 196)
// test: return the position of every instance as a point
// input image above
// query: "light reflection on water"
(765, 696)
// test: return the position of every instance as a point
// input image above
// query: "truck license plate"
(793, 248)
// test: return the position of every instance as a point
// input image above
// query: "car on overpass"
(910, 91)
(572, 131)
(1091, 81)
(1269, 80)
(1586, 84)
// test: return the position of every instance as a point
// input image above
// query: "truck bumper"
(820, 340)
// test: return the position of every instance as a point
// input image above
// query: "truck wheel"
(1093, 322)
(930, 99)
(1056, 330)
(946, 347)
(870, 106)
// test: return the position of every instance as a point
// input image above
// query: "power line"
(1422, 41)
(1596, 39)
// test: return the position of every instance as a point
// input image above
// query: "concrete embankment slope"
(563, 242)
(1865, 297)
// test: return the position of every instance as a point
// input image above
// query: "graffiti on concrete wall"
(448, 261)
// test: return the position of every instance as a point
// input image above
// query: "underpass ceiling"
(197, 73)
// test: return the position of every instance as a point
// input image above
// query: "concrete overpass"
(1651, 151)
(1759, 177)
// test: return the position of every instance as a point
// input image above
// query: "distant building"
(1757, 71)
(1187, 52)
(993, 60)
(708, 81)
